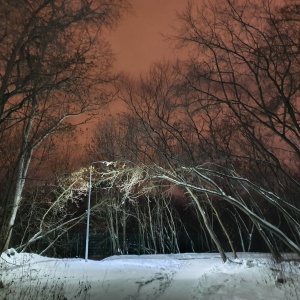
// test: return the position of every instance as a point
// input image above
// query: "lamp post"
(89, 213)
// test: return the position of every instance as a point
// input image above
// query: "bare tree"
(246, 61)
(54, 64)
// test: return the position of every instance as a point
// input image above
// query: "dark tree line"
(220, 129)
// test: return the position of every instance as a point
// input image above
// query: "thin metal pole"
(88, 218)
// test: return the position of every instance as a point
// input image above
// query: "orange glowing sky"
(138, 41)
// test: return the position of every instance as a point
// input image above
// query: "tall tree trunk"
(22, 169)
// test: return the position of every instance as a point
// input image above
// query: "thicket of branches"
(224, 124)
(216, 136)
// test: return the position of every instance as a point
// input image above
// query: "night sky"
(138, 40)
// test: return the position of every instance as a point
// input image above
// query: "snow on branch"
(132, 179)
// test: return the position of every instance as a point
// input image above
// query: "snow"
(173, 276)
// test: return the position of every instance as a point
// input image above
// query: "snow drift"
(173, 276)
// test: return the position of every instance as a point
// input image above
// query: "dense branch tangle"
(232, 106)
(248, 60)
(201, 181)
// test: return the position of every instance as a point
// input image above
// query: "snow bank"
(177, 276)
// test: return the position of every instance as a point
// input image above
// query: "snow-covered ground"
(175, 276)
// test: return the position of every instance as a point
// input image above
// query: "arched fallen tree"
(199, 181)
